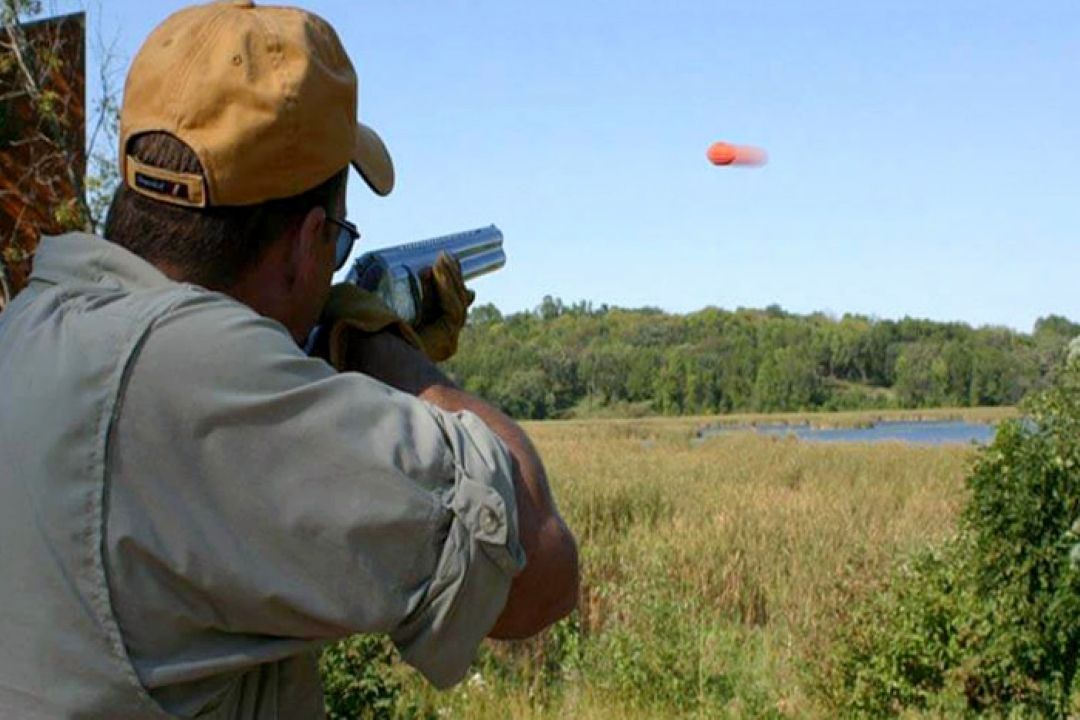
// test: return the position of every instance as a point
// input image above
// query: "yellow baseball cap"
(265, 96)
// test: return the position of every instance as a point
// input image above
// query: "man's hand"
(440, 333)
(352, 312)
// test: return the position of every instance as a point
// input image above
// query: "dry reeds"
(713, 570)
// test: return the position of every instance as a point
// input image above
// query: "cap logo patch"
(187, 189)
(161, 187)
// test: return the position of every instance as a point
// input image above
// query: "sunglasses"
(348, 234)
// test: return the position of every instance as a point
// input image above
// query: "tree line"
(561, 360)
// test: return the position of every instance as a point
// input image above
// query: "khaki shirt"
(190, 506)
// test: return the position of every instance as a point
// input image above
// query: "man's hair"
(208, 246)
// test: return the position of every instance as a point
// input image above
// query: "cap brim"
(372, 161)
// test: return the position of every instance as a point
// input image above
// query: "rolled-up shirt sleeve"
(468, 587)
(258, 499)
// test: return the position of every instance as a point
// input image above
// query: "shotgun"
(396, 273)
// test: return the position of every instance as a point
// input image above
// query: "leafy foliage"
(361, 680)
(44, 185)
(564, 360)
(991, 622)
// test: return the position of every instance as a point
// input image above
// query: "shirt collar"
(81, 258)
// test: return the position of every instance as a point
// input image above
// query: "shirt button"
(489, 521)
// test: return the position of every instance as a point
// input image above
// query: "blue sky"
(924, 157)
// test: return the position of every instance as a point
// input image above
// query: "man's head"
(237, 127)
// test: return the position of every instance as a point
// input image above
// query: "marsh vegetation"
(722, 578)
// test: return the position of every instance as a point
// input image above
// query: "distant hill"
(564, 360)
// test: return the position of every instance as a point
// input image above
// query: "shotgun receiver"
(395, 273)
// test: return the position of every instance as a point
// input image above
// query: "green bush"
(991, 622)
(361, 680)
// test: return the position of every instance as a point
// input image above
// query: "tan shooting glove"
(440, 332)
(351, 309)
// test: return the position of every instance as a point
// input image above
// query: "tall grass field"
(716, 572)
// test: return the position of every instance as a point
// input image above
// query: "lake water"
(920, 433)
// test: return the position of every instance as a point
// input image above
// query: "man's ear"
(307, 246)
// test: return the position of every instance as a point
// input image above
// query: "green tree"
(670, 386)
(921, 375)
(1050, 339)
(787, 380)
(550, 308)
(993, 374)
(525, 393)
(484, 314)
(605, 370)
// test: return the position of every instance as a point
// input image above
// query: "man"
(190, 505)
